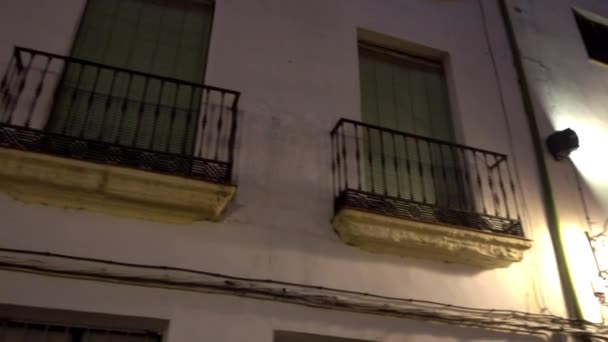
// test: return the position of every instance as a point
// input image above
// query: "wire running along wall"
(307, 295)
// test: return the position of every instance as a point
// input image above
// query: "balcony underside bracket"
(63, 182)
(410, 238)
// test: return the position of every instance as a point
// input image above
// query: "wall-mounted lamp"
(561, 143)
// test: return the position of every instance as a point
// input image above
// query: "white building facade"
(565, 78)
(284, 170)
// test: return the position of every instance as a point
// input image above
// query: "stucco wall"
(201, 317)
(296, 65)
(570, 91)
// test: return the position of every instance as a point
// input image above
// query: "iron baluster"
(107, 105)
(38, 91)
(408, 167)
(357, 157)
(18, 60)
(90, 102)
(471, 180)
(432, 167)
(123, 109)
(189, 116)
(443, 166)
(173, 116)
(513, 193)
(383, 162)
(369, 159)
(219, 125)
(420, 171)
(5, 87)
(332, 137)
(344, 160)
(378, 114)
(467, 202)
(156, 114)
(395, 154)
(338, 161)
(68, 121)
(489, 170)
(469, 192)
(201, 144)
(140, 112)
(21, 86)
(233, 130)
(396, 165)
(479, 183)
(501, 184)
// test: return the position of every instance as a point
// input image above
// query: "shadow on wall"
(296, 209)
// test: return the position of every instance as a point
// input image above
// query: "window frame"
(596, 49)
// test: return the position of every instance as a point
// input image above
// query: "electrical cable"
(176, 278)
(526, 215)
(549, 205)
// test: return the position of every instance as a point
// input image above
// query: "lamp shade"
(562, 143)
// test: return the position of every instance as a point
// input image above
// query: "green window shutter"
(410, 95)
(167, 38)
(403, 93)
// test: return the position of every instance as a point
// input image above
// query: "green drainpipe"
(570, 298)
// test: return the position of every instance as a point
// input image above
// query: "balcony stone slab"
(409, 238)
(68, 183)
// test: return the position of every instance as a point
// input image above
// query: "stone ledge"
(68, 183)
(389, 235)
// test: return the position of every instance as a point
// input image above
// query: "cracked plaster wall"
(570, 91)
(296, 64)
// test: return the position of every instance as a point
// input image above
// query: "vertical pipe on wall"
(570, 298)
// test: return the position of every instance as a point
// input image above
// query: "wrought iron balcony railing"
(414, 177)
(89, 111)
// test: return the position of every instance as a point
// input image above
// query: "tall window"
(403, 92)
(408, 94)
(594, 36)
(17, 331)
(168, 38)
(31, 324)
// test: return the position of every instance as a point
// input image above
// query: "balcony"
(84, 135)
(408, 195)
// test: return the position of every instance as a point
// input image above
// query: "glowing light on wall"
(591, 160)
(593, 139)
(599, 247)
(584, 272)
